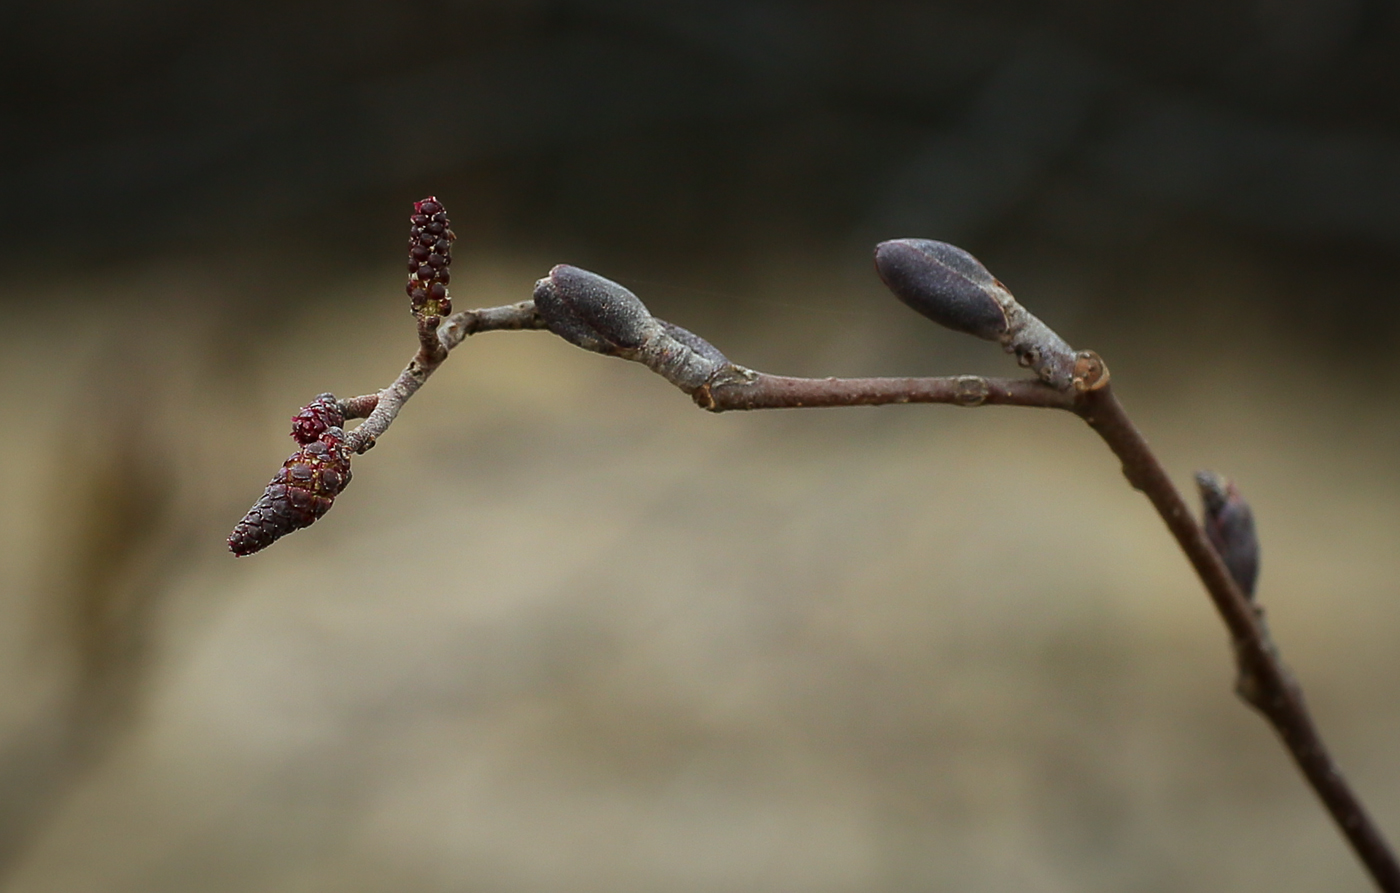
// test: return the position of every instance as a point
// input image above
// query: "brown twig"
(1263, 680)
(748, 389)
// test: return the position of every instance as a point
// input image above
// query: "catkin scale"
(306, 485)
(429, 257)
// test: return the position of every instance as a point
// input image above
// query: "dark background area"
(700, 137)
(565, 632)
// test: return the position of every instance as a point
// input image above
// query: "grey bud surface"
(1229, 525)
(944, 283)
(594, 313)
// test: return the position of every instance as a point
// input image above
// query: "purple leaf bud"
(944, 283)
(595, 313)
(1229, 525)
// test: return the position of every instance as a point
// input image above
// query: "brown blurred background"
(565, 632)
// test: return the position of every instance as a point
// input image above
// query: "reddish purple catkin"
(429, 256)
(307, 483)
(1229, 525)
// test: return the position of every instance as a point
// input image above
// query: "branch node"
(730, 375)
(433, 350)
(1248, 686)
(1133, 480)
(1090, 371)
(705, 399)
(359, 407)
(971, 390)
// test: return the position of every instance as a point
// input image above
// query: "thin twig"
(488, 319)
(747, 389)
(435, 343)
(431, 353)
(1263, 681)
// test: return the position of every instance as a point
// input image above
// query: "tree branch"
(951, 287)
(1263, 681)
(306, 486)
(940, 281)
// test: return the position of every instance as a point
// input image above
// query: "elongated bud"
(305, 486)
(952, 288)
(595, 313)
(944, 283)
(1229, 525)
(429, 256)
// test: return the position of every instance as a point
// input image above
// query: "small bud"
(595, 313)
(305, 486)
(429, 256)
(1229, 525)
(944, 283)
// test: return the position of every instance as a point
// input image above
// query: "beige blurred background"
(567, 632)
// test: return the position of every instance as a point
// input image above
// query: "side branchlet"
(952, 288)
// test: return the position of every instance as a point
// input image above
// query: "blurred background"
(566, 632)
